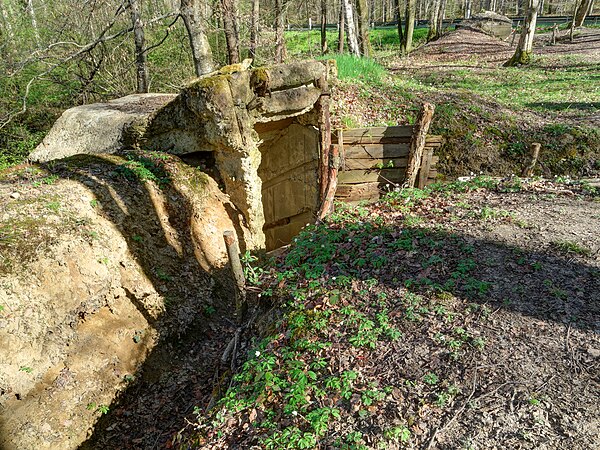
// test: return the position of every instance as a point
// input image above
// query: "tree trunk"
(582, 12)
(280, 52)
(352, 40)
(433, 22)
(525, 46)
(362, 11)
(323, 27)
(34, 25)
(201, 51)
(409, 19)
(141, 68)
(341, 27)
(254, 28)
(440, 18)
(398, 13)
(228, 8)
(6, 23)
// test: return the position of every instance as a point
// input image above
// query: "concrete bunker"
(488, 22)
(263, 131)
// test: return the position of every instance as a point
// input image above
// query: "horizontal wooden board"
(371, 176)
(381, 163)
(348, 190)
(374, 132)
(375, 151)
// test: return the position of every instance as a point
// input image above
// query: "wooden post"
(417, 143)
(233, 252)
(554, 33)
(425, 167)
(535, 154)
(322, 107)
(327, 204)
(342, 152)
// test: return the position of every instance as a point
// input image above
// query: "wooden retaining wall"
(373, 160)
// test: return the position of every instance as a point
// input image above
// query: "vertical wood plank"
(425, 167)
(322, 107)
(417, 143)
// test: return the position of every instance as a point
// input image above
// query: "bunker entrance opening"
(289, 174)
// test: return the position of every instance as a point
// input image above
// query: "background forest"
(58, 54)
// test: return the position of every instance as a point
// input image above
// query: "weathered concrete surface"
(217, 113)
(490, 23)
(99, 127)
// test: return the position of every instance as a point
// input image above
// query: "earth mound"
(102, 258)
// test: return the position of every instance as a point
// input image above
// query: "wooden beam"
(332, 181)
(379, 163)
(233, 252)
(376, 151)
(425, 167)
(324, 120)
(353, 134)
(417, 143)
(535, 154)
(371, 176)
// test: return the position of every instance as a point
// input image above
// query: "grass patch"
(358, 69)
(573, 248)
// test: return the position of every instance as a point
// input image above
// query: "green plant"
(102, 409)
(53, 206)
(252, 272)
(431, 378)
(25, 369)
(572, 247)
(162, 275)
(50, 179)
(398, 434)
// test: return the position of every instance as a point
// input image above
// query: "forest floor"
(466, 317)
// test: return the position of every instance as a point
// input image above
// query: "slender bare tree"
(254, 28)
(581, 13)
(352, 39)
(323, 27)
(140, 50)
(201, 51)
(434, 10)
(280, 50)
(409, 26)
(341, 28)
(229, 11)
(363, 26)
(398, 12)
(525, 46)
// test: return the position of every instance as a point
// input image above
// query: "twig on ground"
(456, 414)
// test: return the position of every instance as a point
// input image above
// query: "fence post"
(535, 154)
(417, 144)
(233, 252)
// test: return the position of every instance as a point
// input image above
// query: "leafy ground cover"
(450, 318)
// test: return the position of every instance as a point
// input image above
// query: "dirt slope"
(104, 260)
